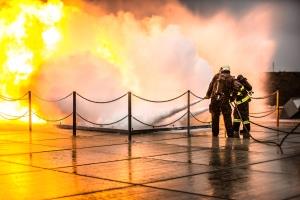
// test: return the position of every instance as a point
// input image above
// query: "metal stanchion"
(129, 117)
(277, 107)
(188, 113)
(29, 111)
(74, 113)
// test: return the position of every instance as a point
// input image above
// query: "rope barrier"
(196, 102)
(158, 126)
(14, 99)
(51, 100)
(163, 101)
(272, 111)
(266, 127)
(264, 97)
(291, 132)
(53, 120)
(116, 99)
(196, 95)
(15, 117)
(98, 124)
(198, 119)
(263, 112)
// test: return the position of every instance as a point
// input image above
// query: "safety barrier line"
(159, 101)
(158, 126)
(14, 117)
(262, 112)
(262, 116)
(264, 97)
(278, 130)
(102, 124)
(198, 119)
(110, 101)
(129, 116)
(51, 100)
(197, 96)
(14, 99)
(53, 120)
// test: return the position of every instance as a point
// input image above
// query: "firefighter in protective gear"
(219, 91)
(241, 110)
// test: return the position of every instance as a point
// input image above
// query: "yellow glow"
(28, 33)
(51, 36)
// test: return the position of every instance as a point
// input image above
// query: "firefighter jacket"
(221, 86)
(243, 91)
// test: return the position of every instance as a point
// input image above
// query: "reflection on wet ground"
(169, 165)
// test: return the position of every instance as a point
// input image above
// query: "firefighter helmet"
(225, 68)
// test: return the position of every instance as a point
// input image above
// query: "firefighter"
(241, 110)
(219, 91)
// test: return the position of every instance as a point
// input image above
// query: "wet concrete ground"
(54, 165)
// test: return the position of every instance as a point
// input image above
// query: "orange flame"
(28, 34)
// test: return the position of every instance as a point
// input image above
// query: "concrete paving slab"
(138, 192)
(10, 168)
(22, 148)
(220, 158)
(64, 158)
(84, 141)
(290, 165)
(236, 184)
(139, 170)
(168, 165)
(142, 149)
(47, 184)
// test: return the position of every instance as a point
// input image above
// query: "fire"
(28, 35)
(53, 46)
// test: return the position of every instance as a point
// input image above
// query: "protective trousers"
(217, 107)
(241, 114)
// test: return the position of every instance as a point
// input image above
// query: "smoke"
(155, 50)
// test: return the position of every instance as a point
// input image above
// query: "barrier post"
(29, 111)
(188, 113)
(129, 117)
(74, 113)
(277, 107)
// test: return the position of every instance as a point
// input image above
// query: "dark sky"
(286, 27)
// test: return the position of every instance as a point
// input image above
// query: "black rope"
(262, 116)
(116, 99)
(284, 138)
(268, 141)
(198, 119)
(278, 130)
(266, 127)
(257, 140)
(196, 95)
(53, 120)
(264, 97)
(14, 99)
(196, 102)
(163, 101)
(267, 111)
(14, 117)
(158, 126)
(98, 124)
(52, 100)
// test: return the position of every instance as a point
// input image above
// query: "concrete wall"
(288, 84)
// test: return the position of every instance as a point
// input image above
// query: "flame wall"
(157, 50)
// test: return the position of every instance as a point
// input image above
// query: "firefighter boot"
(246, 131)
(236, 134)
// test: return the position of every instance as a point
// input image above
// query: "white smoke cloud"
(102, 56)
